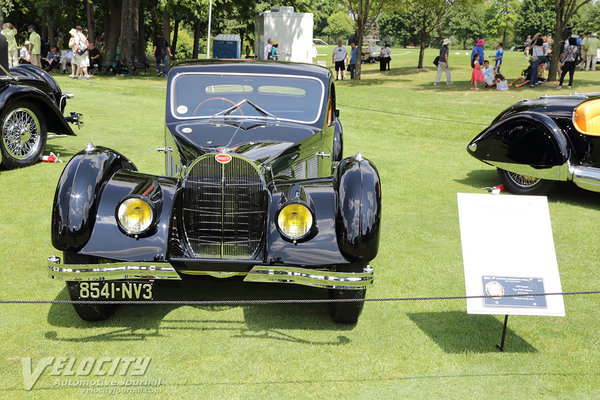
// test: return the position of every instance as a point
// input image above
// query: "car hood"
(257, 140)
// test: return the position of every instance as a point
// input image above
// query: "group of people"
(483, 72)
(271, 52)
(344, 62)
(81, 53)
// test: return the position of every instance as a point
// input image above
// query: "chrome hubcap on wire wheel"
(523, 180)
(21, 133)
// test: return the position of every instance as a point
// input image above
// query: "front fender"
(77, 195)
(527, 138)
(358, 215)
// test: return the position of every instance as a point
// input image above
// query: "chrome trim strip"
(311, 277)
(556, 173)
(586, 177)
(112, 271)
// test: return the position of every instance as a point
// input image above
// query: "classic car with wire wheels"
(31, 105)
(536, 143)
(255, 185)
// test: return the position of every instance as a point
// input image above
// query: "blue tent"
(227, 46)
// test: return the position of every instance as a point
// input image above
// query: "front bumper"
(164, 271)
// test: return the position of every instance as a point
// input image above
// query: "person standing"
(161, 50)
(568, 58)
(443, 64)
(537, 56)
(9, 31)
(498, 58)
(340, 54)
(478, 49)
(353, 55)
(82, 53)
(267, 51)
(35, 44)
(73, 51)
(527, 43)
(592, 52)
(385, 56)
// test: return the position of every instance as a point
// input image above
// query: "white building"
(293, 31)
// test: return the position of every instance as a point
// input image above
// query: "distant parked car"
(370, 51)
(255, 185)
(31, 105)
(535, 143)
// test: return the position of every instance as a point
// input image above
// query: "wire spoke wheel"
(21, 133)
(524, 180)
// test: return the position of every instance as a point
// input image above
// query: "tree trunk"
(141, 50)
(423, 37)
(504, 37)
(130, 28)
(50, 27)
(196, 38)
(112, 35)
(360, 31)
(90, 21)
(556, 46)
(166, 27)
(175, 33)
(105, 19)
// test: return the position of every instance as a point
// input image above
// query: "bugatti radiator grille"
(224, 209)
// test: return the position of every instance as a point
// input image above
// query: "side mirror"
(337, 113)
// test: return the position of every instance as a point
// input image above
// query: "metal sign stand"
(501, 345)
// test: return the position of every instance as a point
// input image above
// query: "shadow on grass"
(459, 332)
(562, 192)
(64, 153)
(264, 321)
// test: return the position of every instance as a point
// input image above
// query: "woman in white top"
(538, 55)
(83, 61)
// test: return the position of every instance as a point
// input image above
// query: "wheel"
(346, 313)
(523, 184)
(24, 135)
(88, 312)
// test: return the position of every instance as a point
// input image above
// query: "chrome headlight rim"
(312, 231)
(148, 230)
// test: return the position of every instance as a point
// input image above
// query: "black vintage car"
(255, 184)
(535, 143)
(31, 105)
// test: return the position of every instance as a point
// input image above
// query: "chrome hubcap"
(523, 180)
(21, 133)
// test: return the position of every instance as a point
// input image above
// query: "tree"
(501, 17)
(130, 28)
(364, 13)
(465, 24)
(565, 9)
(323, 9)
(534, 16)
(338, 25)
(396, 25)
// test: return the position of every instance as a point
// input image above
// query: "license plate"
(115, 291)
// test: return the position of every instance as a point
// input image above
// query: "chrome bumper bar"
(110, 272)
(311, 277)
(164, 271)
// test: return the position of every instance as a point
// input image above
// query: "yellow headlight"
(295, 220)
(135, 215)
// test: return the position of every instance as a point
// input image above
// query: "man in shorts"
(340, 55)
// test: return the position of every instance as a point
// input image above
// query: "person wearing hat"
(479, 50)
(592, 52)
(35, 46)
(443, 64)
(9, 32)
(274, 55)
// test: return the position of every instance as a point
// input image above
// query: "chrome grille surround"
(224, 208)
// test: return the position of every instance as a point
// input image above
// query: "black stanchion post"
(501, 345)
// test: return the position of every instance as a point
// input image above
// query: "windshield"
(286, 97)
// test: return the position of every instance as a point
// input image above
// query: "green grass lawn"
(397, 350)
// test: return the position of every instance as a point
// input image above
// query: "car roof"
(251, 66)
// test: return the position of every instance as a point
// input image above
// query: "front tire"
(87, 312)
(346, 312)
(523, 184)
(23, 135)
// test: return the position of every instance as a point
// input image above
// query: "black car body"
(255, 185)
(535, 143)
(31, 105)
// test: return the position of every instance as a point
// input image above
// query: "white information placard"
(508, 248)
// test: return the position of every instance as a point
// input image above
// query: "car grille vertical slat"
(224, 209)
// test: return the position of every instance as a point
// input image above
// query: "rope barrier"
(289, 301)
(415, 116)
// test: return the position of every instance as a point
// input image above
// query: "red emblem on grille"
(223, 158)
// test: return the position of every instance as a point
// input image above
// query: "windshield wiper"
(231, 109)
